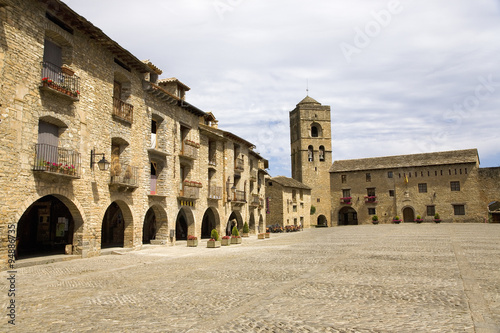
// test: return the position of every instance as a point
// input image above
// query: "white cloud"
(250, 67)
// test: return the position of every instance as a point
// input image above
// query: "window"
(318, 200)
(310, 154)
(346, 193)
(422, 188)
(321, 153)
(368, 177)
(154, 177)
(390, 174)
(459, 209)
(314, 131)
(455, 186)
(431, 210)
(294, 208)
(370, 191)
(371, 211)
(391, 193)
(344, 179)
(154, 125)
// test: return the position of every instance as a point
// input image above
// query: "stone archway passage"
(235, 219)
(181, 227)
(251, 224)
(150, 227)
(408, 214)
(208, 224)
(348, 216)
(322, 221)
(45, 228)
(113, 227)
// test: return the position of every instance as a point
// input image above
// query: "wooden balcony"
(189, 150)
(57, 161)
(189, 192)
(239, 165)
(239, 197)
(123, 177)
(122, 110)
(255, 201)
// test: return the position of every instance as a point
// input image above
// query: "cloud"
(250, 63)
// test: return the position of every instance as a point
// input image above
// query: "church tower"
(311, 148)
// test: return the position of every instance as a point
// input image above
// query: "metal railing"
(239, 164)
(53, 159)
(215, 192)
(239, 196)
(255, 201)
(54, 78)
(123, 110)
(123, 174)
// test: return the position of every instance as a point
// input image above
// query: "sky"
(401, 76)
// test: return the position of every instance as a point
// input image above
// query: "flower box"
(268, 234)
(419, 220)
(245, 234)
(437, 220)
(396, 221)
(192, 243)
(225, 241)
(212, 243)
(236, 240)
(261, 236)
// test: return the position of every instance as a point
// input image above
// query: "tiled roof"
(309, 100)
(289, 182)
(407, 161)
(173, 79)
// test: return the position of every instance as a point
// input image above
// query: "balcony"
(215, 192)
(190, 190)
(189, 149)
(57, 161)
(346, 201)
(239, 165)
(212, 163)
(256, 201)
(239, 197)
(253, 176)
(123, 177)
(59, 82)
(122, 110)
(371, 199)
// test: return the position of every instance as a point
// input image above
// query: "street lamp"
(103, 163)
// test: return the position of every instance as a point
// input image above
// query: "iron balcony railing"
(239, 164)
(53, 159)
(189, 150)
(122, 173)
(239, 196)
(123, 110)
(190, 192)
(215, 192)
(255, 200)
(55, 79)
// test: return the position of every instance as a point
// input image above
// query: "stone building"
(311, 154)
(289, 202)
(73, 101)
(447, 183)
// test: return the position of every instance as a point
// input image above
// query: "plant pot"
(437, 221)
(375, 222)
(213, 244)
(245, 234)
(192, 242)
(261, 236)
(396, 221)
(225, 242)
(235, 240)
(268, 235)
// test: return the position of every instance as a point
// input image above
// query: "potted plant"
(375, 219)
(235, 236)
(419, 219)
(213, 242)
(245, 230)
(396, 220)
(192, 241)
(437, 219)
(226, 240)
(261, 236)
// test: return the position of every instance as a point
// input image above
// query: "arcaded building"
(98, 152)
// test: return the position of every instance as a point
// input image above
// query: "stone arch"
(235, 216)
(316, 131)
(347, 216)
(117, 219)
(251, 223)
(322, 221)
(53, 119)
(262, 227)
(184, 224)
(408, 214)
(210, 221)
(155, 225)
(71, 203)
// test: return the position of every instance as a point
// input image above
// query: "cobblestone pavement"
(383, 278)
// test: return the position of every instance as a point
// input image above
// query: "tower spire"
(307, 87)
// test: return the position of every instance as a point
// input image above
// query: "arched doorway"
(113, 227)
(322, 221)
(408, 214)
(262, 227)
(184, 224)
(235, 219)
(210, 221)
(149, 228)
(45, 228)
(348, 216)
(251, 224)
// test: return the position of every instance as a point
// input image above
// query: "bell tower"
(311, 149)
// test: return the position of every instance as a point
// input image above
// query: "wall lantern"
(103, 163)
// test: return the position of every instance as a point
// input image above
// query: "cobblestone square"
(371, 278)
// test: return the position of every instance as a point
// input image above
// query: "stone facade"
(72, 97)
(289, 202)
(311, 153)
